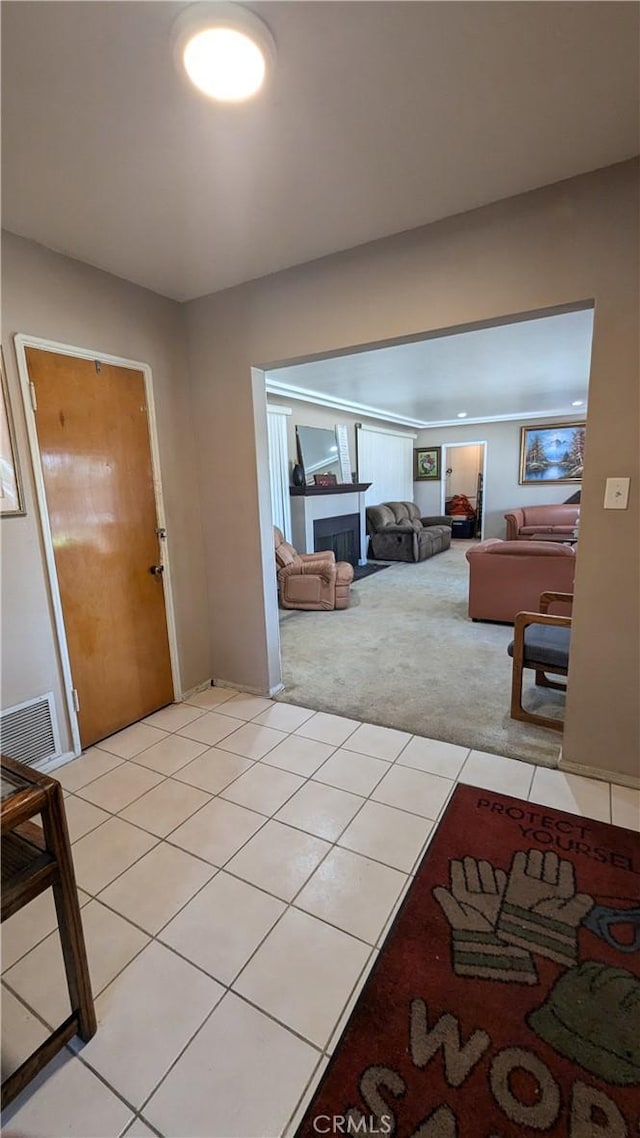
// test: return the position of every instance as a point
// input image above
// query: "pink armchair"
(310, 580)
(507, 577)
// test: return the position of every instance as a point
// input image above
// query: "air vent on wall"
(29, 731)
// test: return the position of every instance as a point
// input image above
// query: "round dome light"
(225, 50)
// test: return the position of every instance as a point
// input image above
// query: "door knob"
(156, 570)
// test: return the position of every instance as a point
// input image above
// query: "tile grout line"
(230, 989)
(267, 818)
(220, 794)
(72, 1054)
(309, 778)
(227, 990)
(289, 905)
(155, 936)
(366, 967)
(311, 1082)
(332, 845)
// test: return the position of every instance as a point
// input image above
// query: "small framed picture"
(426, 464)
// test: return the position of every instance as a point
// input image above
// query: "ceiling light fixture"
(226, 50)
(462, 414)
(577, 403)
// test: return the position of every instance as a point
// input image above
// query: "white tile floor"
(239, 864)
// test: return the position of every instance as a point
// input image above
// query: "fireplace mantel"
(310, 503)
(339, 488)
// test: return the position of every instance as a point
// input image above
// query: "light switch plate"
(616, 495)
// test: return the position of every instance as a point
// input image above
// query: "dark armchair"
(397, 532)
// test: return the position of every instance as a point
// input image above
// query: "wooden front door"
(93, 435)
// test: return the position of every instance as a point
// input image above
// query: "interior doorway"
(92, 445)
(378, 662)
(465, 475)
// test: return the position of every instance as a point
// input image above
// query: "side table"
(35, 858)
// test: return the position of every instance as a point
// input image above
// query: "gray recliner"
(397, 532)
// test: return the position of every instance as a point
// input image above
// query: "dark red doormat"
(506, 1000)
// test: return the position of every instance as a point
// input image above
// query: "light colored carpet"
(405, 654)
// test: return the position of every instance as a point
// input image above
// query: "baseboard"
(59, 761)
(596, 772)
(194, 691)
(266, 692)
(218, 683)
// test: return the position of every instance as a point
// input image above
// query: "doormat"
(360, 571)
(505, 1002)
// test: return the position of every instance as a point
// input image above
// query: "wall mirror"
(318, 452)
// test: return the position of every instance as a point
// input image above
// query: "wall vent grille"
(29, 731)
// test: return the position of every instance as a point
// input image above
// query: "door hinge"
(32, 393)
(98, 366)
(161, 533)
(76, 700)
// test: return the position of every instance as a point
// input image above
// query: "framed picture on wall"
(11, 497)
(551, 454)
(426, 464)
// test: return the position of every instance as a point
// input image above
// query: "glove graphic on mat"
(472, 907)
(541, 910)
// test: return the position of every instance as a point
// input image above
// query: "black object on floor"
(360, 571)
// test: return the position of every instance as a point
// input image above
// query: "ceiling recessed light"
(225, 49)
(462, 414)
(577, 403)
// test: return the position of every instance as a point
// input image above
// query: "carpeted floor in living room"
(405, 654)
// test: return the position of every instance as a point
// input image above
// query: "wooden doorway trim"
(22, 342)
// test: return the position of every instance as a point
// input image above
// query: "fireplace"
(341, 534)
(324, 517)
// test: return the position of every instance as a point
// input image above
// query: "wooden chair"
(541, 641)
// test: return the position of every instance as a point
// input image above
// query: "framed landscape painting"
(426, 464)
(552, 454)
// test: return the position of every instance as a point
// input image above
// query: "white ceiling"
(512, 371)
(380, 117)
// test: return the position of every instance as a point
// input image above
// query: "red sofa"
(507, 577)
(542, 523)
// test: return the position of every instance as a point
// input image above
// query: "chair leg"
(540, 720)
(517, 710)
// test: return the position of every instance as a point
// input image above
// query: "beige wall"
(55, 298)
(576, 241)
(502, 490)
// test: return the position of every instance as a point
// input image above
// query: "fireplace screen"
(341, 534)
